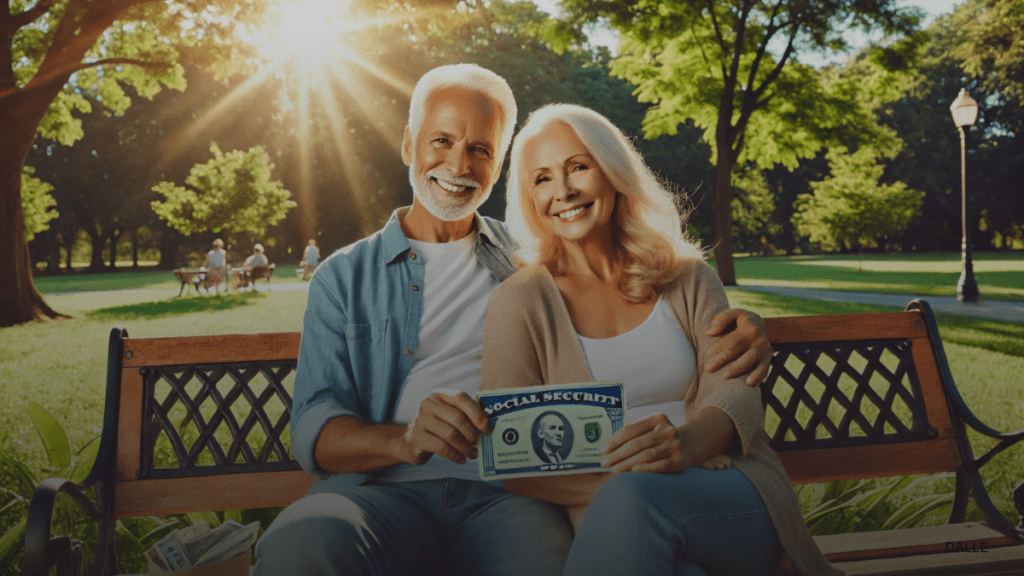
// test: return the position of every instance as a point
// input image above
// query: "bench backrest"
(848, 396)
(261, 272)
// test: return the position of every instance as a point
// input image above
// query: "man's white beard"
(444, 206)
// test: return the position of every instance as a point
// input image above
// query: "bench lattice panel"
(190, 425)
(846, 393)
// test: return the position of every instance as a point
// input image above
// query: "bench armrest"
(41, 552)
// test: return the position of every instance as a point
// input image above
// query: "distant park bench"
(259, 273)
(198, 279)
(200, 423)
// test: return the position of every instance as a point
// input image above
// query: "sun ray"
(304, 43)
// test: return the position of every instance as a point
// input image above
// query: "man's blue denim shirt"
(359, 332)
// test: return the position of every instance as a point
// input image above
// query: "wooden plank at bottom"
(923, 540)
(997, 562)
(223, 492)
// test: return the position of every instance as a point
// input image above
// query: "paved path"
(992, 309)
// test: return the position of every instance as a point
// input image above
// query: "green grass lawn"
(143, 278)
(1000, 275)
(62, 364)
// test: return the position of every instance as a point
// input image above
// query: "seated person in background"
(215, 263)
(310, 259)
(613, 290)
(256, 260)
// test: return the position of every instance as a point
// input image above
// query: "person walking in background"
(215, 263)
(310, 259)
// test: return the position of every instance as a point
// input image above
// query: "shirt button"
(412, 255)
(415, 288)
(408, 352)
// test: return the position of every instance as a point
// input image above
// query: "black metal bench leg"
(1018, 503)
(68, 555)
(961, 495)
(106, 562)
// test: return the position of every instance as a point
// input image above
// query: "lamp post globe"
(965, 111)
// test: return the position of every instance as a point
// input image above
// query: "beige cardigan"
(529, 340)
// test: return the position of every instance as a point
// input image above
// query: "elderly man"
(383, 413)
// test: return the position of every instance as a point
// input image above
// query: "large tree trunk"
(20, 301)
(723, 216)
(21, 110)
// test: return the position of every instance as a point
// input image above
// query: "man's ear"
(407, 146)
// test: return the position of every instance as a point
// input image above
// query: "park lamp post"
(965, 112)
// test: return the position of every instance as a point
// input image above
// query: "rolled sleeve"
(306, 430)
(324, 386)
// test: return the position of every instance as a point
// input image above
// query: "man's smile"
(453, 188)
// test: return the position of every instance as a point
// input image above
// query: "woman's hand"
(720, 462)
(650, 445)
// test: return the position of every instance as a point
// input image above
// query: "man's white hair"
(472, 78)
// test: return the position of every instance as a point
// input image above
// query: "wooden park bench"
(258, 273)
(198, 278)
(201, 423)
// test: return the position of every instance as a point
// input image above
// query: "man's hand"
(742, 347)
(447, 425)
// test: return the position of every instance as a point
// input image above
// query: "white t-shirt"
(654, 361)
(456, 290)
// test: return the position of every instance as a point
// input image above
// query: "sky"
(857, 40)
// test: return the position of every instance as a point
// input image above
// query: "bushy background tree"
(850, 209)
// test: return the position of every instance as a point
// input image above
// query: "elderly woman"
(612, 290)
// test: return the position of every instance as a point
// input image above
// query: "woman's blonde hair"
(647, 224)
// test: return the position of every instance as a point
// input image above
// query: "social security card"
(545, 430)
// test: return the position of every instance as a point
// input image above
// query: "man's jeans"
(693, 523)
(446, 526)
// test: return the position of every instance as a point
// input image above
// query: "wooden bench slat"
(908, 541)
(223, 492)
(1005, 561)
(935, 404)
(210, 349)
(871, 326)
(129, 424)
(827, 464)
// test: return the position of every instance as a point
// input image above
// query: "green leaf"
(54, 438)
(85, 459)
(12, 539)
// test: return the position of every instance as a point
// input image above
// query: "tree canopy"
(851, 208)
(731, 67)
(231, 193)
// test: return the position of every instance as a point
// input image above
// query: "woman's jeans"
(443, 527)
(696, 522)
